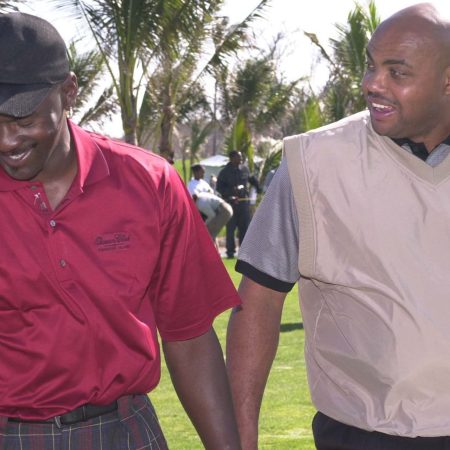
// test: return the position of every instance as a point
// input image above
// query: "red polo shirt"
(83, 288)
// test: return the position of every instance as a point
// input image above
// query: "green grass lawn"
(286, 412)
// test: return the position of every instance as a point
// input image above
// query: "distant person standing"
(232, 184)
(197, 183)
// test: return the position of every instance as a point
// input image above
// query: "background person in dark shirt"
(232, 184)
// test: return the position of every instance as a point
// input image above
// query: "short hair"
(196, 167)
(233, 153)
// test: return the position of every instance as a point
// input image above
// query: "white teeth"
(378, 106)
(18, 156)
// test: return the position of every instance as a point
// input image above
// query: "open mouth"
(381, 108)
(380, 105)
(16, 156)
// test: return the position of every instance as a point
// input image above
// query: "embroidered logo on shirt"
(112, 241)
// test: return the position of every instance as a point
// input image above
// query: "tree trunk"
(129, 124)
(167, 123)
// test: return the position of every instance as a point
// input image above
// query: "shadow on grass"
(291, 326)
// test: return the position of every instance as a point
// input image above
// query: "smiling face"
(407, 81)
(36, 147)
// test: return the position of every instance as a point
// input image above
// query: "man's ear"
(69, 90)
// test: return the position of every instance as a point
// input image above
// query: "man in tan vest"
(359, 214)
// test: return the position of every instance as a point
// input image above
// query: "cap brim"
(20, 100)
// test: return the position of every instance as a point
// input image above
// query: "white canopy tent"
(213, 165)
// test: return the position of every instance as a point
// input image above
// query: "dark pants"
(240, 220)
(133, 426)
(332, 435)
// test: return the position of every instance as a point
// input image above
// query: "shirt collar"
(418, 148)
(92, 165)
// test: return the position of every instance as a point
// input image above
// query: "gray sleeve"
(272, 240)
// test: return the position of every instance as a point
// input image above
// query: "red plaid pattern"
(133, 426)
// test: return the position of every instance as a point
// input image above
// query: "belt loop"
(83, 413)
(57, 420)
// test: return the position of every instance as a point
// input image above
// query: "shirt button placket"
(62, 261)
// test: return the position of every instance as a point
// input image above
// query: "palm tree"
(194, 143)
(342, 94)
(256, 100)
(175, 82)
(140, 38)
(8, 6)
(89, 67)
(306, 113)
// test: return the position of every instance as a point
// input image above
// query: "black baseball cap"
(33, 58)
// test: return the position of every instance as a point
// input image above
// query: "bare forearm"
(252, 341)
(199, 377)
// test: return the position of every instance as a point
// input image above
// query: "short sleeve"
(190, 285)
(270, 250)
(191, 186)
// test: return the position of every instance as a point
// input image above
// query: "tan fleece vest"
(375, 294)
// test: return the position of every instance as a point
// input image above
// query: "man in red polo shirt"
(101, 248)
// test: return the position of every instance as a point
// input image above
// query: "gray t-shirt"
(269, 252)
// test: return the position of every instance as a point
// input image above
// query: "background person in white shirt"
(197, 183)
(217, 211)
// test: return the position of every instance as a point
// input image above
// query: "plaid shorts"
(133, 426)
